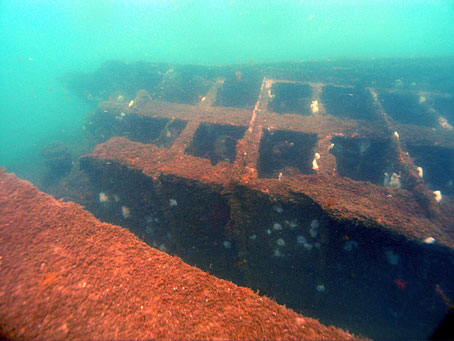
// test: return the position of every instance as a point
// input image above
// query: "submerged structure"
(325, 185)
(66, 275)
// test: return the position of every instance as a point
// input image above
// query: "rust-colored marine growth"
(65, 275)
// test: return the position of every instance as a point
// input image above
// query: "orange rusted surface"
(410, 210)
(395, 209)
(66, 275)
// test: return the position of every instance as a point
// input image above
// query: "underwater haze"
(43, 40)
(303, 149)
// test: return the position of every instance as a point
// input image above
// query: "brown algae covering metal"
(65, 275)
(325, 187)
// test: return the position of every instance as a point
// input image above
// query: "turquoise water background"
(42, 40)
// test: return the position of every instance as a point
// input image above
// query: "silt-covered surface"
(65, 275)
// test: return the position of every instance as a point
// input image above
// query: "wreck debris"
(256, 145)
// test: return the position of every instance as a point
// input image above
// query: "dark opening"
(285, 152)
(362, 159)
(184, 85)
(155, 130)
(291, 98)
(445, 106)
(438, 166)
(216, 142)
(241, 89)
(355, 103)
(161, 132)
(114, 78)
(405, 108)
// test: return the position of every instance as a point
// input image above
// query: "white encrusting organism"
(314, 165)
(293, 224)
(438, 196)
(443, 122)
(277, 253)
(395, 181)
(314, 162)
(103, 197)
(429, 240)
(420, 172)
(277, 226)
(308, 246)
(280, 242)
(125, 212)
(315, 224)
(314, 107)
(313, 233)
(320, 288)
(392, 181)
(301, 240)
(173, 203)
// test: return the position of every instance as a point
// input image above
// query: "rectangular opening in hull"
(285, 152)
(291, 98)
(216, 142)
